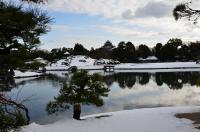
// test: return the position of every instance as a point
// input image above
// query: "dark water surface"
(127, 91)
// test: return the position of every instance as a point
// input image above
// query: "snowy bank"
(139, 120)
(164, 65)
(87, 63)
(19, 74)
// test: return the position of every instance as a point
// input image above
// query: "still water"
(127, 91)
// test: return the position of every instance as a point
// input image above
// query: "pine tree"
(82, 89)
(20, 30)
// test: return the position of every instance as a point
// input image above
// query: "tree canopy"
(82, 89)
(143, 51)
(21, 27)
(184, 10)
(79, 49)
(20, 31)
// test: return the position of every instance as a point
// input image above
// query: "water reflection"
(37, 92)
(127, 91)
(6, 84)
(12, 114)
(174, 80)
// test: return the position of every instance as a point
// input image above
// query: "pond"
(127, 91)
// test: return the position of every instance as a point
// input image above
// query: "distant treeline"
(173, 50)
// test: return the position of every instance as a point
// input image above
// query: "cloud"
(154, 96)
(115, 9)
(128, 14)
(154, 9)
(128, 32)
(60, 28)
(140, 21)
(106, 8)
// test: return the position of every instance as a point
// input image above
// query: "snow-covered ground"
(87, 63)
(164, 65)
(19, 74)
(83, 62)
(59, 65)
(139, 120)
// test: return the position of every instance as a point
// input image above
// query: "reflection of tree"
(144, 78)
(82, 89)
(109, 80)
(130, 80)
(121, 80)
(12, 114)
(6, 80)
(184, 77)
(171, 79)
(174, 80)
(193, 78)
(126, 79)
(158, 77)
(53, 79)
(6, 85)
(198, 82)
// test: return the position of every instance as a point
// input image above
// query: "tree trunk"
(77, 111)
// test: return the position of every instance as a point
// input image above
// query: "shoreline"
(124, 67)
(140, 120)
(195, 117)
(19, 77)
(138, 70)
(133, 69)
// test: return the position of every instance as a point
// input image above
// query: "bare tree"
(7, 101)
(12, 114)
